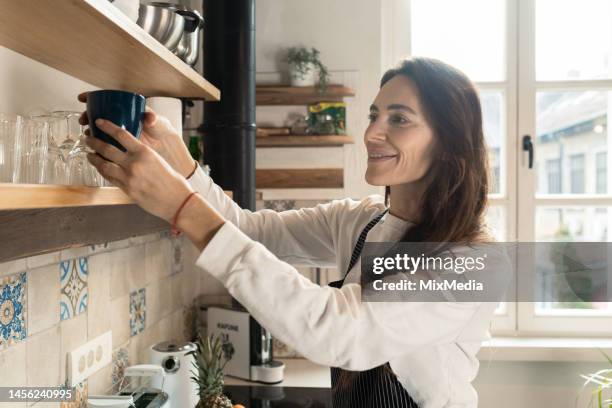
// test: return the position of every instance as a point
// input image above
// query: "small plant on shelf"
(209, 375)
(303, 63)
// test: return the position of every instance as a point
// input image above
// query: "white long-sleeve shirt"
(431, 346)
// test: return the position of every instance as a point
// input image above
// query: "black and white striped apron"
(377, 387)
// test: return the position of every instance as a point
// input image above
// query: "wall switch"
(89, 358)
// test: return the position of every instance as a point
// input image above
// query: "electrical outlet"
(89, 358)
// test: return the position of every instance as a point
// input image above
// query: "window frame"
(519, 202)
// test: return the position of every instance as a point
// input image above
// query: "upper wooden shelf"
(31, 196)
(303, 141)
(287, 95)
(95, 42)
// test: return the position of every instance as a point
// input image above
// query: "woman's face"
(399, 140)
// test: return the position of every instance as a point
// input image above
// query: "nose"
(375, 133)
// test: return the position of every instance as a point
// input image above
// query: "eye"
(398, 120)
(372, 117)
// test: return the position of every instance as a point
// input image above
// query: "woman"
(425, 144)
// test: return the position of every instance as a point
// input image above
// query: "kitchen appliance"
(189, 46)
(177, 364)
(135, 390)
(162, 22)
(262, 396)
(247, 346)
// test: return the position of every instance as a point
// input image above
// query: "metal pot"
(162, 22)
(189, 46)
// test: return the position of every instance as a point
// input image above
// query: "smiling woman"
(425, 143)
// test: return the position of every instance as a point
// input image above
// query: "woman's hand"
(140, 172)
(158, 134)
(148, 180)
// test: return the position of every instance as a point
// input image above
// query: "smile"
(380, 157)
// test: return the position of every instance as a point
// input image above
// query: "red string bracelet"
(175, 231)
(194, 170)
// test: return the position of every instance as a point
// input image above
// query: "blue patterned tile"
(13, 309)
(74, 288)
(138, 311)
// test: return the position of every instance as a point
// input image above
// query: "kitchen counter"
(299, 372)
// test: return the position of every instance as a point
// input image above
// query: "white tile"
(100, 382)
(157, 301)
(43, 358)
(158, 260)
(114, 245)
(127, 270)
(98, 317)
(143, 239)
(13, 366)
(43, 260)
(119, 311)
(11, 267)
(72, 253)
(43, 298)
(73, 335)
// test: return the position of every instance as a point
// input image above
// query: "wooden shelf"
(303, 141)
(286, 95)
(299, 178)
(95, 42)
(30, 196)
(43, 218)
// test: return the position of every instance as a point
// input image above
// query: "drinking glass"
(34, 144)
(71, 131)
(10, 154)
(56, 168)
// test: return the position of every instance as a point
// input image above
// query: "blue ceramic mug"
(124, 109)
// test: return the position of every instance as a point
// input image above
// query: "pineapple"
(209, 375)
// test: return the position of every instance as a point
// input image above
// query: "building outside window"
(577, 173)
(601, 173)
(553, 172)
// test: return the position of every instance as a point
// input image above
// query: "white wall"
(348, 34)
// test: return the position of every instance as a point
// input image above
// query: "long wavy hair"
(454, 202)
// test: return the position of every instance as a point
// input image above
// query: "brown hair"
(453, 204)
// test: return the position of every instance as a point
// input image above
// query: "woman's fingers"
(108, 170)
(150, 117)
(83, 97)
(125, 138)
(106, 150)
(84, 119)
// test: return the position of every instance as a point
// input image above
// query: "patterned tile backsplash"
(13, 309)
(74, 288)
(138, 311)
(120, 363)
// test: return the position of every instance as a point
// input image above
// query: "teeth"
(377, 156)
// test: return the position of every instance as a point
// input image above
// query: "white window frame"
(527, 321)
(518, 201)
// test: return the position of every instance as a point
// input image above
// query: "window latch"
(528, 147)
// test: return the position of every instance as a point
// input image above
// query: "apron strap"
(358, 248)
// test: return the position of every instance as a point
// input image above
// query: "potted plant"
(209, 375)
(602, 380)
(303, 64)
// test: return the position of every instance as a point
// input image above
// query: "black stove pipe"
(229, 125)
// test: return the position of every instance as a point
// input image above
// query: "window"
(553, 175)
(543, 69)
(577, 173)
(601, 173)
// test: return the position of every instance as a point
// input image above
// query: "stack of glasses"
(45, 149)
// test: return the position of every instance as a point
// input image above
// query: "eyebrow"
(394, 106)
